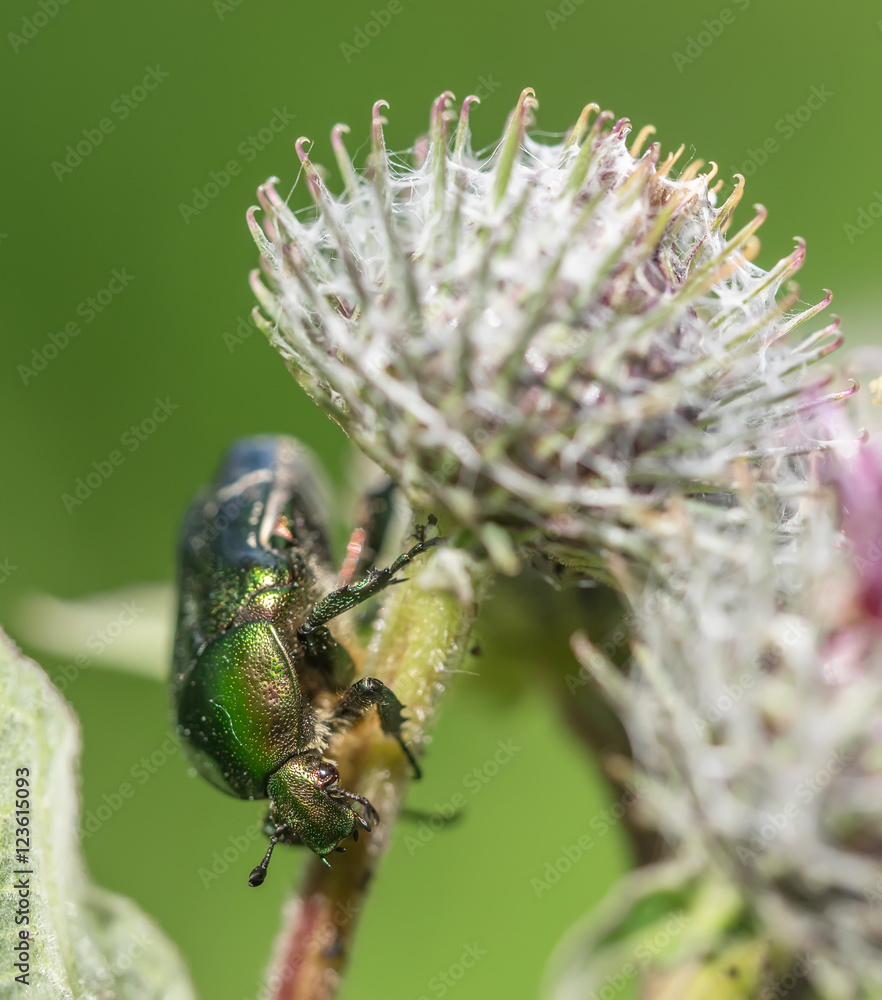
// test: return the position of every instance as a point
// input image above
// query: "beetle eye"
(326, 774)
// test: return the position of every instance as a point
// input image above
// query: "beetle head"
(308, 808)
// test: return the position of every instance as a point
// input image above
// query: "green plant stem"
(417, 644)
(509, 622)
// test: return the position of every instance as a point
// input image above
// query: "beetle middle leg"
(360, 698)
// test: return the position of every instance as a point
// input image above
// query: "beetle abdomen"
(240, 712)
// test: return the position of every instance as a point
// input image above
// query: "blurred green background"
(733, 89)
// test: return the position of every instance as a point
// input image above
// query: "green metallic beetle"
(259, 684)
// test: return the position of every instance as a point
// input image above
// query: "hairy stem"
(417, 644)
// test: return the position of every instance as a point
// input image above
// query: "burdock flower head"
(543, 341)
(754, 711)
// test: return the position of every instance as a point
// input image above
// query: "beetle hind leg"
(360, 698)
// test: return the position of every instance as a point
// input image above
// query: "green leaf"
(128, 629)
(80, 940)
(666, 930)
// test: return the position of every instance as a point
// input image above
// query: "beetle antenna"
(258, 874)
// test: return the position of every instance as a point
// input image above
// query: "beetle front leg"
(364, 695)
(312, 632)
(276, 834)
